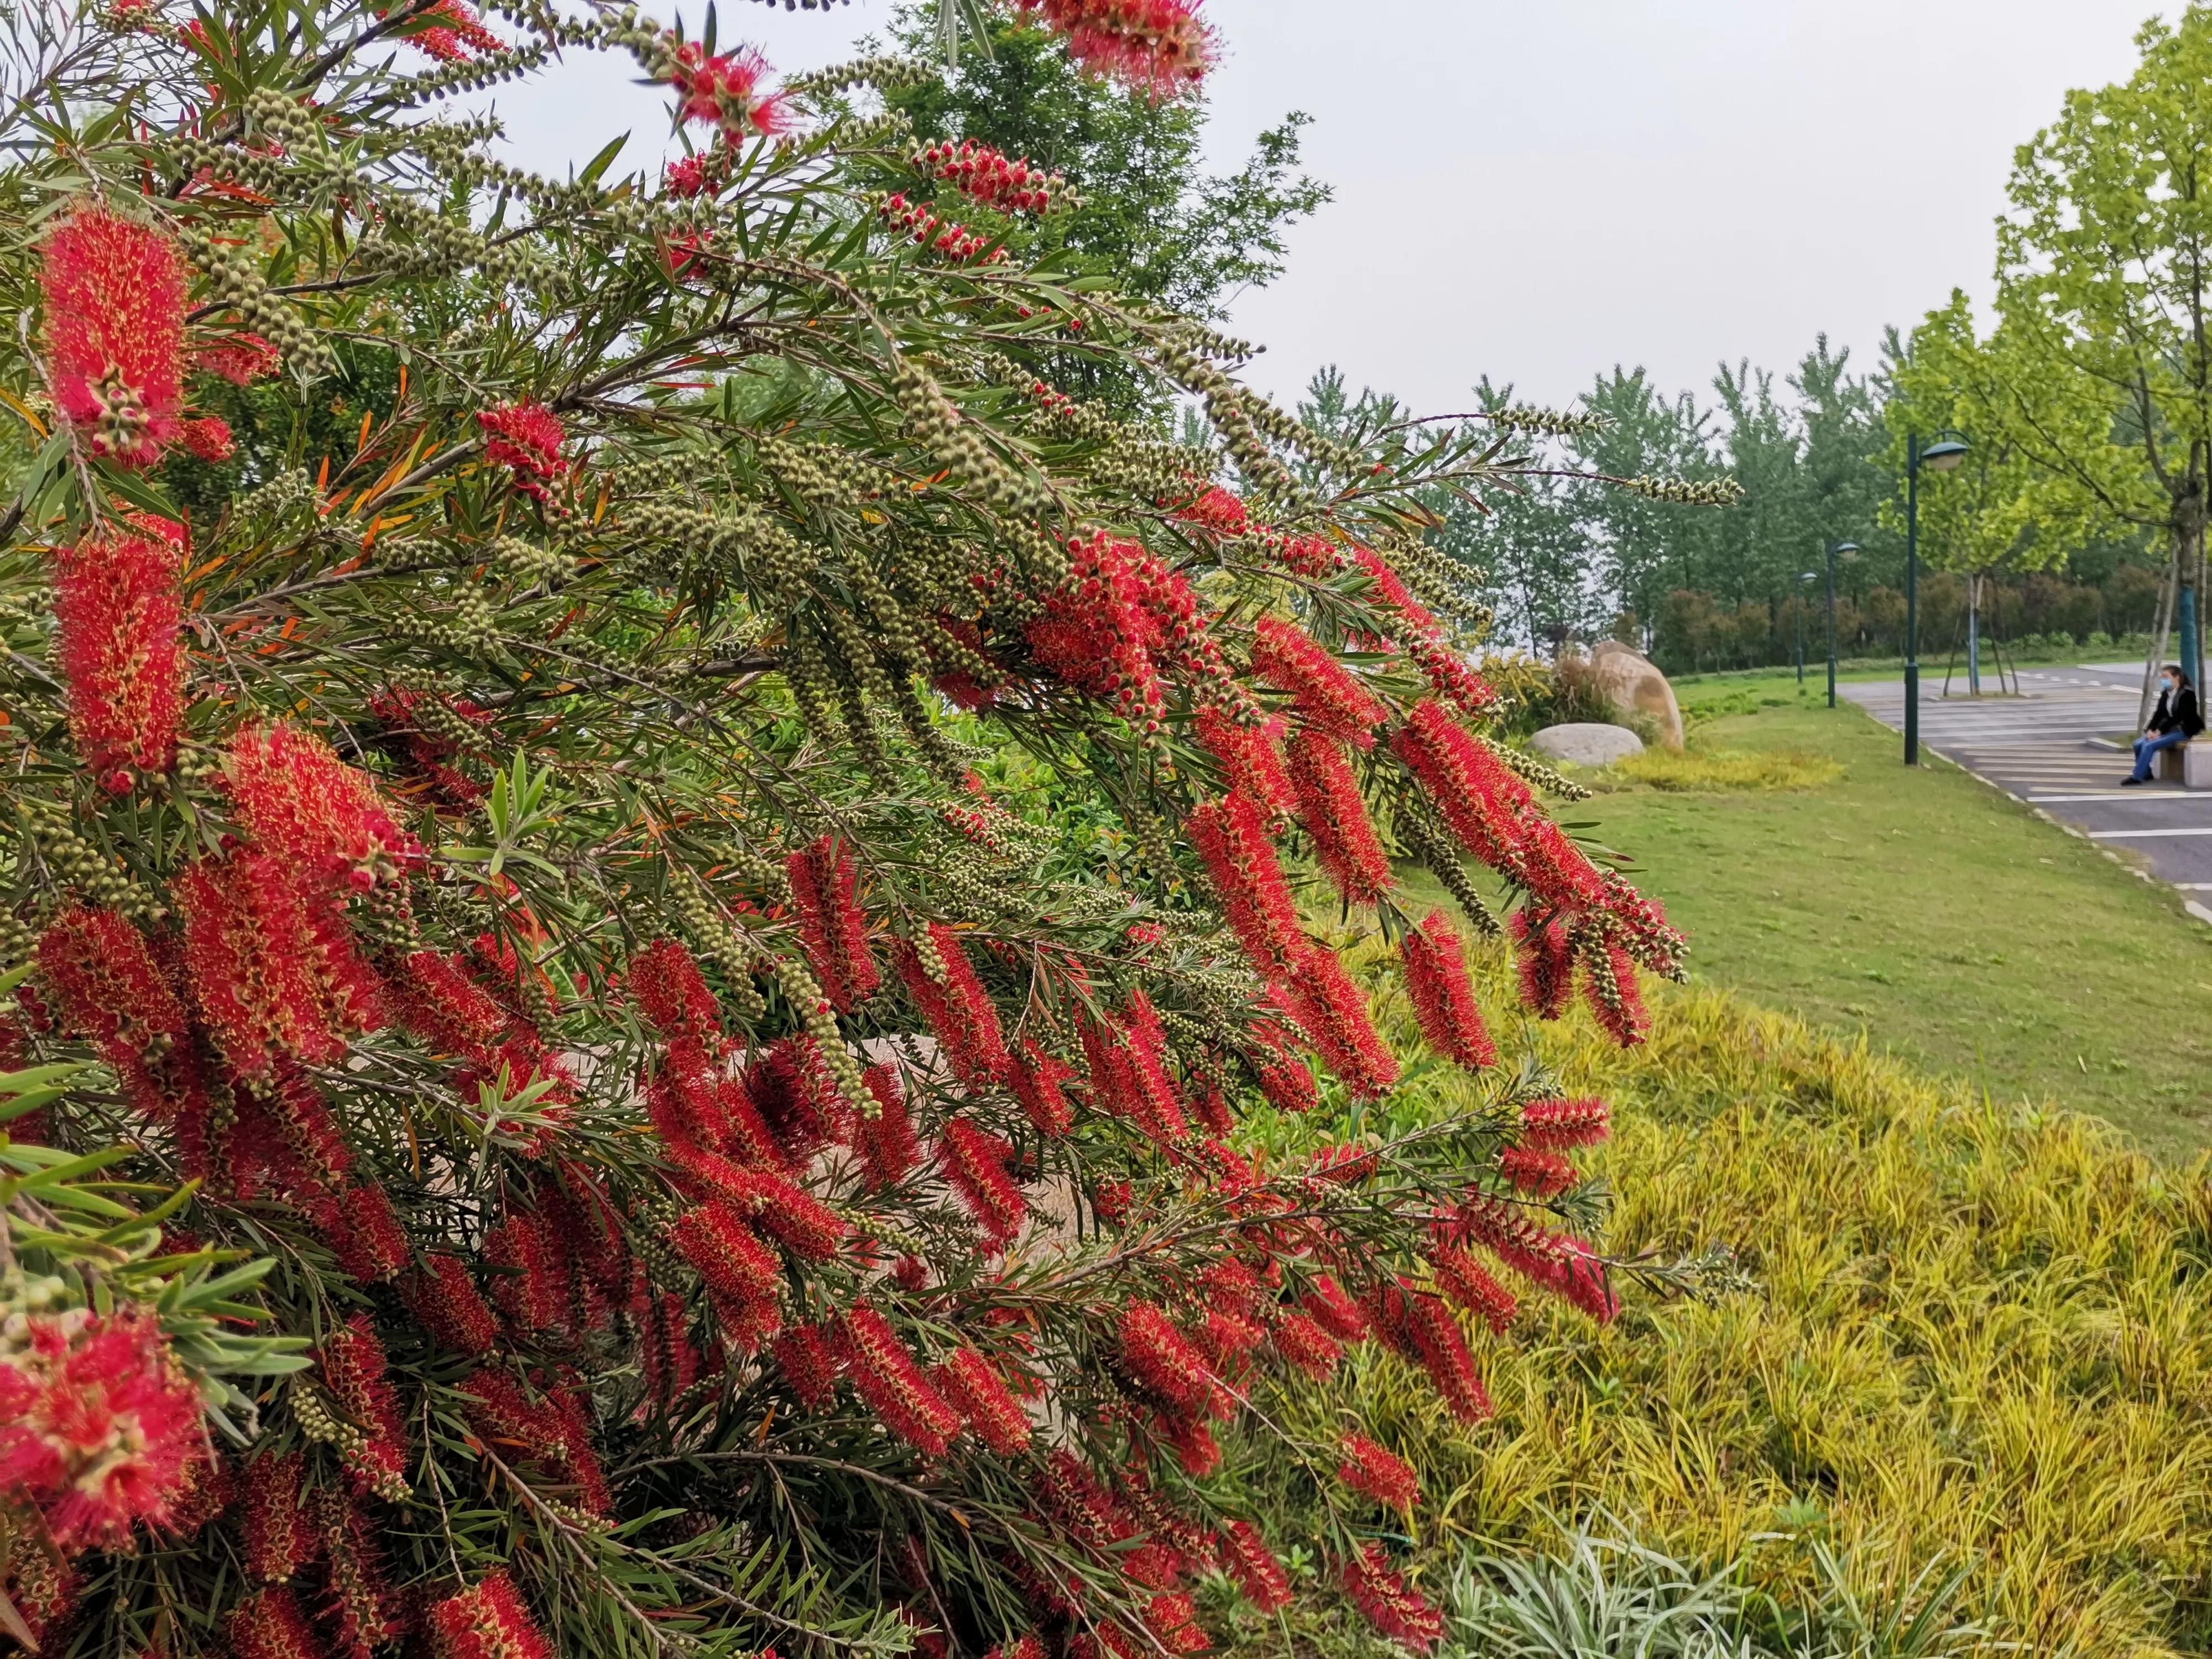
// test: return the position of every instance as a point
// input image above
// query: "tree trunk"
(2160, 627)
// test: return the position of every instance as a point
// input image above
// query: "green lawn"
(1939, 917)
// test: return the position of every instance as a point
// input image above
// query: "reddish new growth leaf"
(1246, 1558)
(1247, 754)
(883, 1371)
(489, 1620)
(114, 331)
(832, 927)
(525, 438)
(116, 615)
(1344, 841)
(1381, 1475)
(1326, 694)
(729, 90)
(353, 1366)
(1443, 997)
(975, 1162)
(959, 1010)
(1553, 1126)
(974, 1387)
(1157, 46)
(1391, 1606)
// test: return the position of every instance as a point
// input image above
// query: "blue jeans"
(2146, 752)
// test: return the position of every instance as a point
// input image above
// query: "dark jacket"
(2177, 712)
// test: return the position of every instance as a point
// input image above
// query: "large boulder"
(1634, 686)
(1586, 744)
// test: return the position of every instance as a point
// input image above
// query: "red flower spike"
(1302, 1341)
(525, 438)
(1246, 1558)
(1035, 1079)
(728, 90)
(1249, 760)
(1553, 1126)
(209, 438)
(669, 1361)
(1111, 1201)
(1378, 1472)
(358, 1223)
(1554, 869)
(1330, 1010)
(1324, 691)
(884, 1372)
(793, 1217)
(1545, 957)
(980, 1394)
(530, 1287)
(959, 1012)
(1335, 1312)
(1468, 1284)
(241, 359)
(1482, 802)
(1539, 1173)
(833, 928)
(987, 175)
(112, 993)
(1615, 999)
(740, 1272)
(100, 1427)
(1444, 999)
(115, 335)
(353, 1367)
(1162, 1360)
(1231, 836)
(1345, 844)
(269, 1625)
(323, 819)
(886, 1141)
(1157, 46)
(359, 1605)
(1217, 510)
(1390, 1605)
(446, 1302)
(670, 991)
(489, 1620)
(116, 614)
(975, 1162)
(811, 1363)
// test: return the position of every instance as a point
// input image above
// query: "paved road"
(2060, 747)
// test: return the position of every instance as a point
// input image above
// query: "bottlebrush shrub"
(747, 1153)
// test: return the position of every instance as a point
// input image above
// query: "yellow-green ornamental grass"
(1976, 1335)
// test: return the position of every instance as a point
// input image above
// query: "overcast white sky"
(1537, 192)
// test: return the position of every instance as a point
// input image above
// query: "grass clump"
(1700, 769)
(1979, 1337)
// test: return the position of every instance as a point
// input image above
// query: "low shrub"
(1699, 770)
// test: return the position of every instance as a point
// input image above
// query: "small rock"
(1585, 743)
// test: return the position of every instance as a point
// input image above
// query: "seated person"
(2175, 722)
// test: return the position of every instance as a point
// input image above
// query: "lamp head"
(1944, 454)
(1843, 550)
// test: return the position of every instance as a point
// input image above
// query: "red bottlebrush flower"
(457, 37)
(1174, 1620)
(1218, 510)
(1231, 836)
(115, 331)
(692, 175)
(1035, 1078)
(1250, 761)
(529, 1287)
(728, 91)
(796, 1101)
(1097, 634)
(1566, 1266)
(1424, 639)
(358, 1603)
(959, 1010)
(489, 1620)
(1147, 1093)
(885, 1374)
(446, 1302)
(269, 1625)
(353, 1366)
(1443, 997)
(1554, 869)
(1468, 1284)
(1545, 957)
(975, 1162)
(273, 1528)
(1281, 1072)
(1553, 1126)
(793, 1217)
(1164, 1361)
(209, 438)
(1481, 801)
(974, 1387)
(525, 438)
(1302, 1341)
(1540, 1174)
(1330, 1010)
(358, 1223)
(811, 1363)
(1111, 1201)
(1382, 1475)
(1335, 1312)
(987, 175)
(569, 1447)
(886, 1141)
(241, 359)
(1345, 844)
(1615, 999)
(1426, 1325)
(112, 993)
(100, 1427)
(116, 615)
(1246, 1558)
(669, 989)
(440, 1001)
(832, 927)
(910, 1273)
(1390, 1605)
(304, 804)
(1324, 691)
(740, 1272)
(550, 1431)
(665, 1355)
(1157, 46)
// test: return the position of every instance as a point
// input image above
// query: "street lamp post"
(1847, 548)
(1941, 455)
(1798, 605)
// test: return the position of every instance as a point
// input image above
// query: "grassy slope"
(1977, 1334)
(1961, 931)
